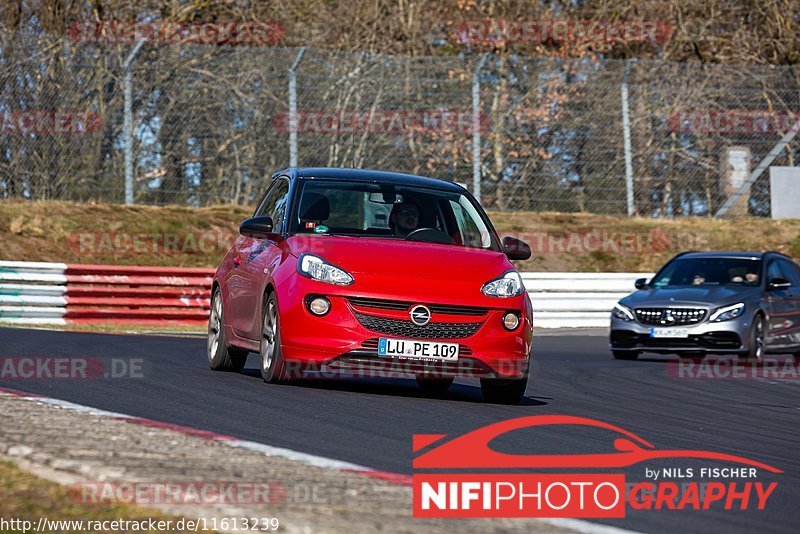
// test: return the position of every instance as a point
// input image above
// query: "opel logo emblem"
(420, 315)
(667, 317)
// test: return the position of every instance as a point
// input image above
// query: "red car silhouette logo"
(472, 450)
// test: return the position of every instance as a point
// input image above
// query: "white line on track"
(297, 456)
(586, 527)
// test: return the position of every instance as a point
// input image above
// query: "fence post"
(759, 170)
(127, 124)
(293, 107)
(476, 129)
(626, 137)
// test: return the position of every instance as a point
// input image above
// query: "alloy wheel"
(214, 326)
(758, 337)
(268, 333)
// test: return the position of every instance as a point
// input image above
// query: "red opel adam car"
(366, 271)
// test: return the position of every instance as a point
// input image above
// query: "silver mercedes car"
(746, 303)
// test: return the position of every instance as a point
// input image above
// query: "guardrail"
(572, 300)
(61, 293)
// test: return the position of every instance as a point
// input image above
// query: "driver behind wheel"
(404, 218)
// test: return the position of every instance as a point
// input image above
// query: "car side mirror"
(779, 283)
(640, 283)
(516, 249)
(257, 227)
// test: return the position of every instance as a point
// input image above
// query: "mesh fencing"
(210, 124)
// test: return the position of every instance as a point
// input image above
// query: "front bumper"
(724, 337)
(343, 341)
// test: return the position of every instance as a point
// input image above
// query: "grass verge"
(26, 497)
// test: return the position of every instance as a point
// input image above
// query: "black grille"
(468, 367)
(709, 340)
(624, 337)
(401, 305)
(721, 339)
(397, 327)
(660, 316)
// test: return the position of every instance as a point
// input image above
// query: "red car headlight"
(316, 268)
(508, 285)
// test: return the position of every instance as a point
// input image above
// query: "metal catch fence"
(158, 123)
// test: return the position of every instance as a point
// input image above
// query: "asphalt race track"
(371, 423)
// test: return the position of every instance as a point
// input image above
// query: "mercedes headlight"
(726, 313)
(622, 312)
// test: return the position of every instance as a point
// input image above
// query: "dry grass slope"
(198, 237)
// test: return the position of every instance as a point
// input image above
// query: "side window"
(774, 271)
(275, 204)
(267, 201)
(471, 235)
(791, 271)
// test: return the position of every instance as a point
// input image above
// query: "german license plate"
(669, 332)
(418, 350)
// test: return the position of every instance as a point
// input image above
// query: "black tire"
(504, 391)
(434, 385)
(756, 340)
(271, 362)
(221, 357)
(625, 354)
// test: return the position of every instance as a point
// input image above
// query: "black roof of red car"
(367, 175)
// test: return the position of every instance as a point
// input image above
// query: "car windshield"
(334, 207)
(710, 272)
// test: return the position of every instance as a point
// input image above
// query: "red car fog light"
(319, 306)
(510, 321)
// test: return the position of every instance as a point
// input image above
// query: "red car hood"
(383, 267)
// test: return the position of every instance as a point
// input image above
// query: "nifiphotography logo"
(500, 489)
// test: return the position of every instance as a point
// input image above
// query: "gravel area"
(75, 448)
